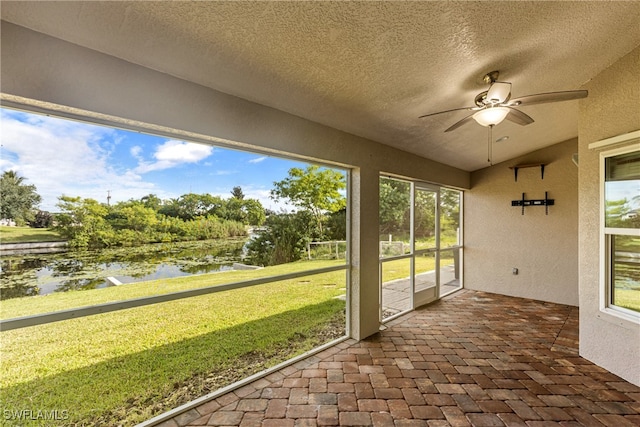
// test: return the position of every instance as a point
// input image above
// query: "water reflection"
(41, 274)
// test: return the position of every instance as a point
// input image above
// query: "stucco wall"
(612, 108)
(83, 82)
(542, 247)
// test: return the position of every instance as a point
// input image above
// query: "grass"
(627, 298)
(17, 307)
(400, 268)
(27, 235)
(127, 366)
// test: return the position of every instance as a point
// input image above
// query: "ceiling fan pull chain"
(489, 146)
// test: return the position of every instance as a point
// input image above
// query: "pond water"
(41, 274)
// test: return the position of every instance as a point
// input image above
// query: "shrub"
(43, 219)
(284, 239)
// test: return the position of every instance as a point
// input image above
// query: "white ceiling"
(368, 68)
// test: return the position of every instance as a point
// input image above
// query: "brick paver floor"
(471, 359)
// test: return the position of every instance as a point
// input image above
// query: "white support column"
(364, 253)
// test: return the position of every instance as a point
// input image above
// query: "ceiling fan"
(495, 105)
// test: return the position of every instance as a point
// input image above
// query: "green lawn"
(627, 298)
(127, 366)
(27, 235)
(400, 268)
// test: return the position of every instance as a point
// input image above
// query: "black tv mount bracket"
(546, 202)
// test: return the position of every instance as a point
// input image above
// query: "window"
(621, 231)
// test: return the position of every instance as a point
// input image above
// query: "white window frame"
(626, 144)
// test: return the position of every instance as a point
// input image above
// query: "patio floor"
(396, 294)
(471, 359)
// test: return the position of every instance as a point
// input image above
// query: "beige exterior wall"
(81, 81)
(612, 108)
(544, 248)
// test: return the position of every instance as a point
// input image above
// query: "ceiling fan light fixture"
(491, 116)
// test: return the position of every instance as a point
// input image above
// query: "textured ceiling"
(368, 68)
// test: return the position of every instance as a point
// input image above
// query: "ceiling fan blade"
(518, 117)
(446, 111)
(499, 92)
(542, 98)
(459, 123)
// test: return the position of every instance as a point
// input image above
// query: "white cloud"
(136, 151)
(174, 153)
(55, 154)
(257, 160)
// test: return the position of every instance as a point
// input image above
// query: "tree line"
(87, 223)
(316, 193)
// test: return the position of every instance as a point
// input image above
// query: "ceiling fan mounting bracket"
(491, 77)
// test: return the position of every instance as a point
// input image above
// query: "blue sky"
(66, 157)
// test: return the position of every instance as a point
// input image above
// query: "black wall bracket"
(516, 167)
(546, 202)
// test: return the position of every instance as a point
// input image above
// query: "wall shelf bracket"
(534, 165)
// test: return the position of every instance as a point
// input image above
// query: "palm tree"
(18, 201)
